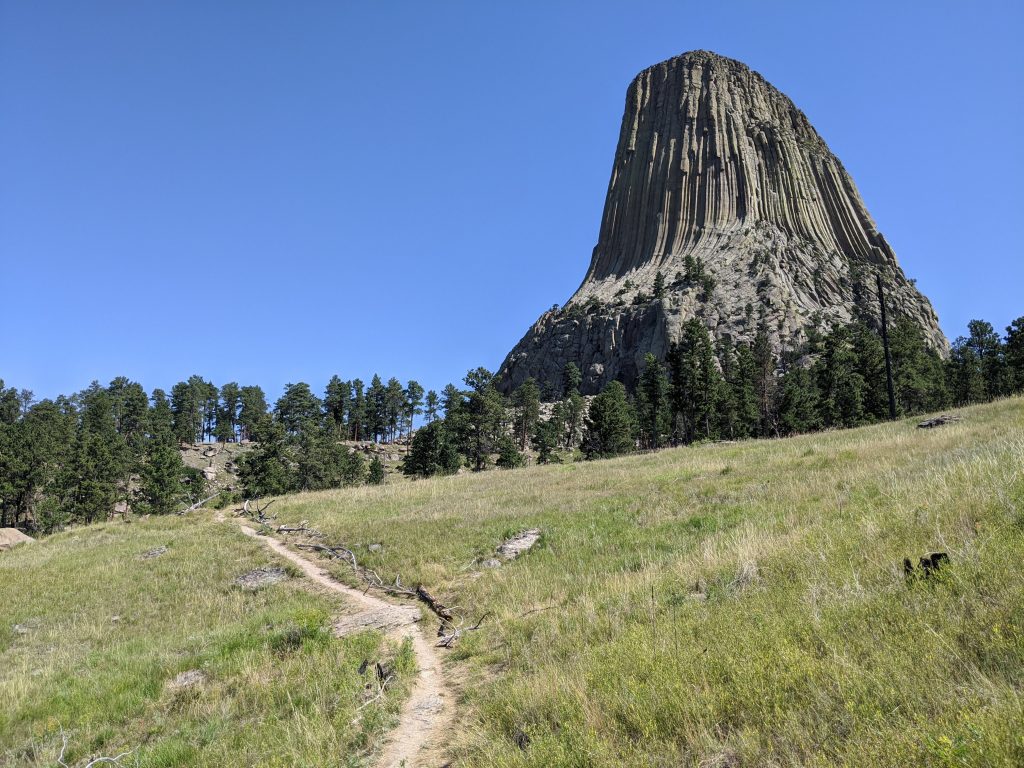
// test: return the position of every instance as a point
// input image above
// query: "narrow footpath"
(428, 709)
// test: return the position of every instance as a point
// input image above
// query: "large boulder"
(12, 537)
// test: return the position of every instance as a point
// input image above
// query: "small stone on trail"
(261, 577)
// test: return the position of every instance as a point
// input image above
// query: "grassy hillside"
(93, 636)
(721, 605)
(731, 604)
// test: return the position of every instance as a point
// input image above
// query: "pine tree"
(267, 470)
(918, 376)
(227, 412)
(336, 399)
(252, 410)
(432, 406)
(870, 354)
(394, 409)
(376, 410)
(744, 392)
(988, 348)
(98, 461)
(357, 412)
(765, 365)
(376, 473)
(547, 437)
(653, 402)
(509, 456)
(526, 401)
(432, 452)
(696, 384)
(297, 406)
(1014, 346)
(659, 286)
(840, 384)
(572, 417)
(610, 423)
(412, 404)
(571, 379)
(798, 402)
(964, 374)
(484, 410)
(161, 488)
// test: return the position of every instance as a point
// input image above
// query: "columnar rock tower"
(722, 187)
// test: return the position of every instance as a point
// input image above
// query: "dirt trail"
(427, 712)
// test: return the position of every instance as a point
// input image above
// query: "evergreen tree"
(484, 410)
(840, 384)
(187, 411)
(659, 286)
(357, 412)
(228, 412)
(743, 389)
(296, 407)
(394, 409)
(572, 417)
(252, 410)
(509, 456)
(432, 405)
(547, 437)
(432, 452)
(870, 354)
(98, 461)
(526, 401)
(610, 423)
(653, 402)
(376, 410)
(696, 384)
(1014, 346)
(964, 374)
(268, 469)
(412, 404)
(988, 349)
(571, 379)
(336, 400)
(376, 473)
(728, 413)
(798, 402)
(917, 372)
(765, 383)
(161, 487)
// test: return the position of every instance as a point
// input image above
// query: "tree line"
(707, 390)
(83, 457)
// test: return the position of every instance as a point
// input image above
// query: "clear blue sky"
(272, 192)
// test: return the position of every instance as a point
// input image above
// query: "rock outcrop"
(722, 187)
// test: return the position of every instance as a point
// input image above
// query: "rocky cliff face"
(722, 187)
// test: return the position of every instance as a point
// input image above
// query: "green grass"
(730, 604)
(103, 631)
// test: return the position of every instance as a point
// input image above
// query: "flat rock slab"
(261, 577)
(12, 537)
(153, 553)
(519, 543)
(382, 619)
(187, 679)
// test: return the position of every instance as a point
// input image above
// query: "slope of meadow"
(728, 604)
(94, 636)
(718, 605)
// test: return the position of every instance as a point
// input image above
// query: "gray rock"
(261, 577)
(714, 163)
(491, 563)
(375, 547)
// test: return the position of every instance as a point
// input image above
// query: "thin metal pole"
(888, 356)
